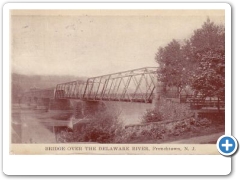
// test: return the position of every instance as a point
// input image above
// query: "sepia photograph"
(117, 81)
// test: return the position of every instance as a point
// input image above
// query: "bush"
(140, 133)
(64, 134)
(174, 111)
(152, 116)
(102, 128)
(168, 111)
(172, 120)
(203, 122)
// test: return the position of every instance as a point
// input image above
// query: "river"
(37, 126)
(31, 125)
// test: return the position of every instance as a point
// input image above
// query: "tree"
(174, 67)
(208, 45)
(208, 38)
(199, 62)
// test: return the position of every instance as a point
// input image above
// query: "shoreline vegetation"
(162, 127)
(107, 128)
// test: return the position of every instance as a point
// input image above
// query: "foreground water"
(29, 125)
(36, 126)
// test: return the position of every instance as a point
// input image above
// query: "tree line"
(198, 62)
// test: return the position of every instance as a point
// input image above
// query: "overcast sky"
(88, 43)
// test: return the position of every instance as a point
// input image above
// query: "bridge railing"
(198, 102)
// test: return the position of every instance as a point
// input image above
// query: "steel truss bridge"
(135, 85)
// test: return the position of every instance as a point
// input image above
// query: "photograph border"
(134, 160)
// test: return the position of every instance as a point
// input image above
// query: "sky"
(92, 43)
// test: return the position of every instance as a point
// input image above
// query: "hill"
(22, 83)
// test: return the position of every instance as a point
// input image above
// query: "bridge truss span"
(135, 85)
(131, 86)
(70, 90)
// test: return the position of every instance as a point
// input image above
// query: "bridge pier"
(60, 104)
